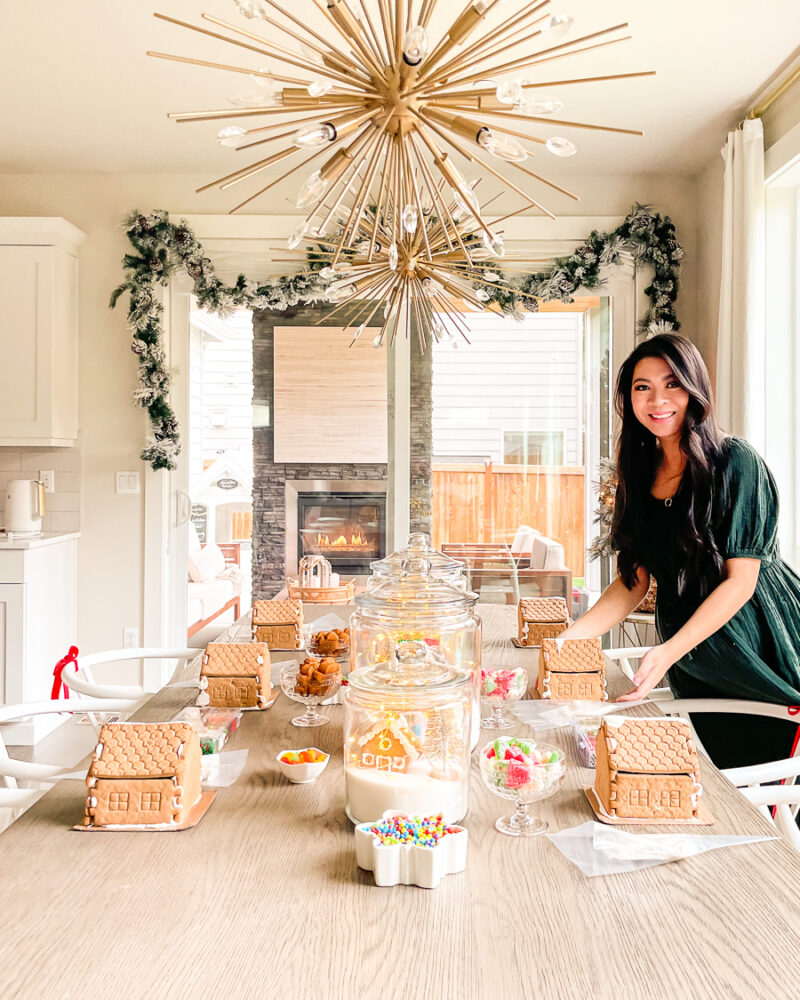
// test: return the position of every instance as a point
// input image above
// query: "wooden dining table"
(263, 898)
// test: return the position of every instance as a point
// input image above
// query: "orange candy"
(309, 756)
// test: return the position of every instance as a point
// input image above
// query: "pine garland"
(162, 247)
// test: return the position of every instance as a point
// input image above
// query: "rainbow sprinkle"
(425, 831)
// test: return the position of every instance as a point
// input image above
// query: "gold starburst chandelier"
(381, 108)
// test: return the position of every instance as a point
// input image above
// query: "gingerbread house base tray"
(521, 645)
(704, 817)
(197, 812)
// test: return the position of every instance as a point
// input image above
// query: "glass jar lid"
(413, 664)
(419, 546)
(414, 591)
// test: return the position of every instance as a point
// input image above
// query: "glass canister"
(412, 604)
(407, 726)
(420, 546)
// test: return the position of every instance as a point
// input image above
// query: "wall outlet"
(130, 637)
(48, 477)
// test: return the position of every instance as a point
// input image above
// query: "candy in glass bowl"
(520, 769)
(498, 686)
(310, 683)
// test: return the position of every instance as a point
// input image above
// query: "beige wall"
(111, 549)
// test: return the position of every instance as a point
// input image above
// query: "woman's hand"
(652, 667)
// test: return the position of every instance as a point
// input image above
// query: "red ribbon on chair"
(58, 682)
(793, 709)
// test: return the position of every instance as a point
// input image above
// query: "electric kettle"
(24, 506)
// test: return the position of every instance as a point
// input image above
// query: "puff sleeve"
(751, 521)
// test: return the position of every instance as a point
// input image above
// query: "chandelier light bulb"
(358, 332)
(559, 25)
(559, 146)
(504, 147)
(377, 341)
(338, 293)
(415, 45)
(312, 190)
(230, 136)
(297, 236)
(410, 218)
(250, 8)
(262, 81)
(495, 245)
(491, 276)
(481, 6)
(326, 273)
(314, 136)
(426, 201)
(482, 294)
(319, 88)
(393, 257)
(509, 91)
(543, 106)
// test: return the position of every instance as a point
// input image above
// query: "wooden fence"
(487, 503)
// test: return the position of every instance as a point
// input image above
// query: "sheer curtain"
(741, 368)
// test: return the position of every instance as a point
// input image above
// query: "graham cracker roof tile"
(142, 750)
(573, 655)
(544, 609)
(277, 612)
(235, 659)
(650, 746)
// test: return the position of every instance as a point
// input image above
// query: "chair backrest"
(83, 681)
(547, 554)
(523, 540)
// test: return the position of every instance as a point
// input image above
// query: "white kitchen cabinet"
(38, 623)
(39, 332)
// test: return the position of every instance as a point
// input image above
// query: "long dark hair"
(638, 456)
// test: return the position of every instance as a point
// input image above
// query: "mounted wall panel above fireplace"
(330, 400)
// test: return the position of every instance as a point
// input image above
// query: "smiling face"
(659, 401)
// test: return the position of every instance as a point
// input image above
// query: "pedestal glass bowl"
(500, 685)
(520, 769)
(326, 686)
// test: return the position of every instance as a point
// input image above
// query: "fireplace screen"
(349, 529)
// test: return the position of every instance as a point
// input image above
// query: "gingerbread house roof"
(277, 612)
(573, 655)
(143, 750)
(235, 659)
(400, 734)
(542, 610)
(650, 745)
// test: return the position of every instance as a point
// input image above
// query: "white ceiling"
(79, 93)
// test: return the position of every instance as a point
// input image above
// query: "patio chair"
(81, 679)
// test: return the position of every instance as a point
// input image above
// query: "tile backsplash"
(63, 506)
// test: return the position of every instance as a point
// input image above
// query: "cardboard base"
(704, 817)
(195, 815)
(522, 645)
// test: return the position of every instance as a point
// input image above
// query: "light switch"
(128, 482)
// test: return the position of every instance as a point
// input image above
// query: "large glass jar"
(419, 546)
(407, 725)
(411, 603)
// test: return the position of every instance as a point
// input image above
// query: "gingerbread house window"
(118, 801)
(671, 797)
(151, 801)
(242, 693)
(639, 796)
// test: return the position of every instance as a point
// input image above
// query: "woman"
(699, 510)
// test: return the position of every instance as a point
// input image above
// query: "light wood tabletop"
(263, 899)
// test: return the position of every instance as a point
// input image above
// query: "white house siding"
(513, 376)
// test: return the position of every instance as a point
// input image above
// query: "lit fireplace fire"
(356, 541)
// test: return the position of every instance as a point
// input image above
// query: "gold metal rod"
(387, 30)
(346, 179)
(450, 95)
(278, 51)
(479, 123)
(329, 50)
(377, 44)
(517, 116)
(343, 242)
(435, 193)
(437, 159)
(538, 57)
(381, 192)
(245, 171)
(361, 198)
(428, 8)
(364, 56)
(471, 156)
(224, 66)
(212, 114)
(399, 13)
(272, 138)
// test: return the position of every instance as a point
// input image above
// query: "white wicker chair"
(82, 680)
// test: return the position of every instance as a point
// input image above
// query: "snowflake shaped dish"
(405, 850)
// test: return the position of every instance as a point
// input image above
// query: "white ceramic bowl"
(301, 774)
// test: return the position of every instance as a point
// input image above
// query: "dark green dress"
(756, 655)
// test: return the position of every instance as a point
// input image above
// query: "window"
(151, 801)
(533, 447)
(639, 797)
(118, 801)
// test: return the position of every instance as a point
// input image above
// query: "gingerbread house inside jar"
(407, 736)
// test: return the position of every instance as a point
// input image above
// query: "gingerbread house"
(388, 747)
(647, 769)
(571, 669)
(278, 623)
(541, 618)
(236, 674)
(143, 774)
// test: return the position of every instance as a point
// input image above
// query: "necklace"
(668, 502)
